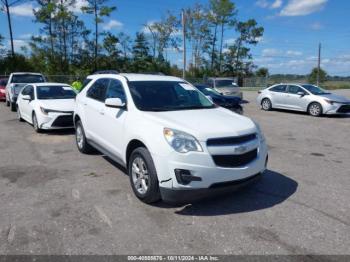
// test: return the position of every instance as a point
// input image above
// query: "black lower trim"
(344, 109)
(63, 121)
(191, 195)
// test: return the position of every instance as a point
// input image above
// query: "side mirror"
(210, 98)
(115, 103)
(26, 97)
(301, 93)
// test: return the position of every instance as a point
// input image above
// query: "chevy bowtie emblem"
(241, 149)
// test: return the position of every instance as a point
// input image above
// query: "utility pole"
(183, 43)
(319, 64)
(7, 9)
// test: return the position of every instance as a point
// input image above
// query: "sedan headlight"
(46, 111)
(260, 133)
(181, 141)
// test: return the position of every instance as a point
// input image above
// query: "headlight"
(181, 141)
(260, 133)
(46, 111)
(329, 101)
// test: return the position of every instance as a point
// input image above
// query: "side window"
(98, 90)
(85, 83)
(115, 90)
(279, 88)
(294, 89)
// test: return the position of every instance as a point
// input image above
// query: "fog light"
(185, 177)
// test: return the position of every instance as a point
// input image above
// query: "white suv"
(175, 143)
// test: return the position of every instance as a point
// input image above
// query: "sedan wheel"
(35, 124)
(315, 109)
(266, 104)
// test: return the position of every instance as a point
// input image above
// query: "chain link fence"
(249, 83)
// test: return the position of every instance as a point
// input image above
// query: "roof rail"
(153, 73)
(100, 72)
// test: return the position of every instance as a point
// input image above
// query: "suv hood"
(336, 98)
(65, 105)
(205, 123)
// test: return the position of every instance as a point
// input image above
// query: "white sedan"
(46, 105)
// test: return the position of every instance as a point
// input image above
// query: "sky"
(293, 29)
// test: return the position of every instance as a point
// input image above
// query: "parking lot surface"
(54, 200)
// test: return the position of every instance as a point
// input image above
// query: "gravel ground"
(55, 200)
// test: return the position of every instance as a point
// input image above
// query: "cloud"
(76, 8)
(316, 26)
(262, 3)
(17, 44)
(113, 24)
(230, 41)
(25, 9)
(302, 7)
(271, 52)
(276, 4)
(294, 53)
(266, 4)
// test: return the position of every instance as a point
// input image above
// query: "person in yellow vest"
(77, 85)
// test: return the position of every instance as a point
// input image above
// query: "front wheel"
(35, 124)
(266, 104)
(143, 176)
(315, 109)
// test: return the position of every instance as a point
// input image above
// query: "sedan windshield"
(225, 83)
(27, 79)
(315, 90)
(167, 96)
(55, 92)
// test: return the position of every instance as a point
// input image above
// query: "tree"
(198, 33)
(124, 41)
(249, 34)
(313, 76)
(262, 72)
(6, 4)
(162, 34)
(222, 13)
(140, 51)
(99, 10)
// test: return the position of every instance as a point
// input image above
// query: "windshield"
(225, 83)
(167, 96)
(27, 79)
(315, 90)
(55, 92)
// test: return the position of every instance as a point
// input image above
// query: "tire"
(19, 117)
(266, 104)
(315, 109)
(13, 107)
(146, 187)
(7, 103)
(35, 124)
(80, 139)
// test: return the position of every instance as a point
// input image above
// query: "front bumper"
(336, 109)
(56, 121)
(190, 195)
(202, 165)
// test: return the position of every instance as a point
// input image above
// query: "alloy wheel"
(140, 176)
(315, 109)
(80, 137)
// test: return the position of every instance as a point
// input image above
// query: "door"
(25, 106)
(94, 109)
(278, 95)
(294, 100)
(114, 119)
